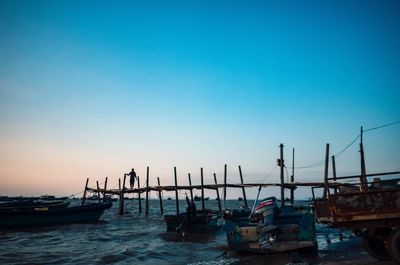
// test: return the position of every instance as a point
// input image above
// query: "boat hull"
(295, 230)
(202, 222)
(43, 216)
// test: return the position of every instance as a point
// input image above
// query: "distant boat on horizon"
(197, 198)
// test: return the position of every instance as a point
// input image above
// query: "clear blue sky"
(93, 88)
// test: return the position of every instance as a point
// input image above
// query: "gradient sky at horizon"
(94, 88)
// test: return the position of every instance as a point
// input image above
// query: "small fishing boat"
(269, 228)
(193, 221)
(197, 198)
(40, 213)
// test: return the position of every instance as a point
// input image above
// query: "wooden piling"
(282, 165)
(218, 198)
(84, 192)
(105, 188)
(326, 171)
(176, 192)
(119, 183)
(191, 190)
(243, 189)
(202, 190)
(363, 178)
(98, 188)
(159, 196)
(224, 186)
(334, 173)
(139, 195)
(147, 192)
(121, 197)
(292, 180)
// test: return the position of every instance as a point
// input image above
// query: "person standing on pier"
(132, 178)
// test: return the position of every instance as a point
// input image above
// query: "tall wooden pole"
(202, 190)
(326, 187)
(282, 165)
(363, 178)
(243, 189)
(292, 180)
(176, 192)
(191, 190)
(84, 192)
(105, 188)
(159, 196)
(334, 173)
(218, 198)
(225, 186)
(147, 192)
(119, 183)
(139, 195)
(121, 197)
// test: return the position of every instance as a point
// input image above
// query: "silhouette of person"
(132, 178)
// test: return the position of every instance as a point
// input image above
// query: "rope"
(269, 174)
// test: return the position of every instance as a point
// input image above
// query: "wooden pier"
(123, 190)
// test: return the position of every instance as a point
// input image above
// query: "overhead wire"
(269, 174)
(322, 161)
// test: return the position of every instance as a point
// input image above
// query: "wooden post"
(121, 197)
(159, 196)
(84, 192)
(326, 187)
(334, 173)
(282, 165)
(105, 188)
(119, 183)
(139, 195)
(147, 192)
(191, 190)
(176, 192)
(98, 192)
(292, 180)
(123, 183)
(243, 189)
(363, 178)
(224, 186)
(202, 190)
(218, 198)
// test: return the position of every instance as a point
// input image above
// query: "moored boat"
(43, 215)
(193, 221)
(269, 228)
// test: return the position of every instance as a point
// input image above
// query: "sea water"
(135, 238)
